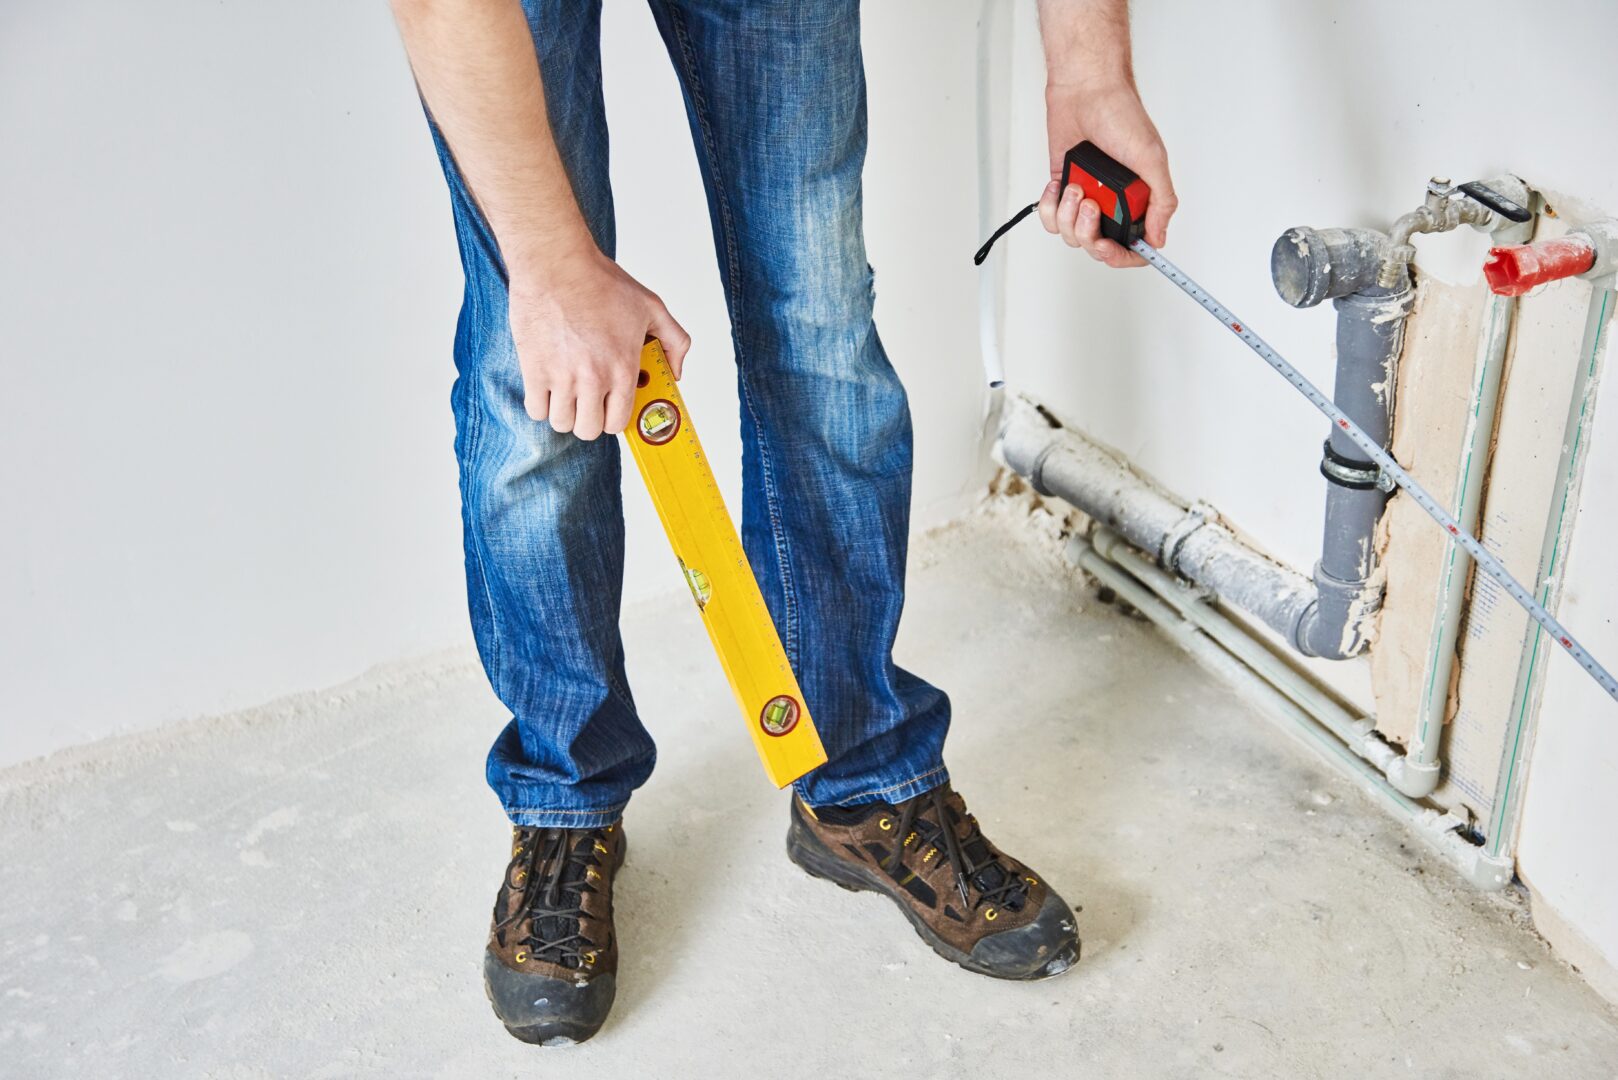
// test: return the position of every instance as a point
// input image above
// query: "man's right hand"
(579, 327)
(577, 319)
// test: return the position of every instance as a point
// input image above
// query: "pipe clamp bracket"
(1349, 473)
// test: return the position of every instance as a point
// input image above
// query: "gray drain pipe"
(1185, 541)
(1326, 617)
(1342, 265)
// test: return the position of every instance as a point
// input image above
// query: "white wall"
(1278, 114)
(228, 286)
(1572, 799)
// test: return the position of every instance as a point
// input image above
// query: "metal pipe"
(1440, 831)
(1440, 211)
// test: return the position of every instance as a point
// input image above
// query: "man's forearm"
(474, 63)
(1086, 41)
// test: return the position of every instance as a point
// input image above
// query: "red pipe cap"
(1512, 271)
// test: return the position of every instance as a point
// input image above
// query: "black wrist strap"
(983, 252)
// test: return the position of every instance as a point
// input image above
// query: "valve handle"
(1509, 209)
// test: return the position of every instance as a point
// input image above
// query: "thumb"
(676, 342)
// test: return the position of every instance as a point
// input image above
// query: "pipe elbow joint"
(1416, 779)
(1311, 265)
(1325, 638)
(1332, 627)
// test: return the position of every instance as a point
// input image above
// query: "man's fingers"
(1088, 228)
(1068, 214)
(590, 414)
(537, 402)
(1113, 253)
(620, 408)
(676, 342)
(564, 407)
(1047, 205)
(1099, 248)
(1116, 256)
(1163, 201)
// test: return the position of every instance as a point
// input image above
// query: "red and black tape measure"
(1121, 194)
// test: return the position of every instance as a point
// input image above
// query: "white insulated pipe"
(1358, 733)
(1419, 769)
(1441, 831)
(1173, 542)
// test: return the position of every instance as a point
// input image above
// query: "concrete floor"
(302, 890)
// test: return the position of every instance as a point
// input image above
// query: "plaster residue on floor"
(302, 891)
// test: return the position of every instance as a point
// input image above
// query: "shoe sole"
(552, 1034)
(811, 856)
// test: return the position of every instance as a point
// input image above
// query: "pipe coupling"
(1168, 556)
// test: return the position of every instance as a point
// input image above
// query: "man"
(547, 351)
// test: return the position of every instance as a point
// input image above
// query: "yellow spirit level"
(665, 446)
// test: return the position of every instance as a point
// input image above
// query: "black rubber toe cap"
(1047, 946)
(539, 1009)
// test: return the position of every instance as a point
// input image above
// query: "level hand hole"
(643, 378)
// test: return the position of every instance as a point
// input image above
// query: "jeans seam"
(610, 814)
(780, 542)
(934, 771)
(541, 810)
(615, 685)
(474, 445)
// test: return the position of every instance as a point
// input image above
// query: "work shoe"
(972, 903)
(551, 966)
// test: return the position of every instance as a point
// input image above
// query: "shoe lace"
(973, 862)
(552, 869)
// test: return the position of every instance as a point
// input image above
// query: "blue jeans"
(775, 93)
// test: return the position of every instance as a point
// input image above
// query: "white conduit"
(1421, 756)
(991, 274)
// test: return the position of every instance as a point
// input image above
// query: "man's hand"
(579, 331)
(578, 321)
(1090, 94)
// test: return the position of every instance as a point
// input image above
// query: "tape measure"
(664, 443)
(1123, 197)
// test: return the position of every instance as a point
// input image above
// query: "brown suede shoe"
(551, 966)
(972, 903)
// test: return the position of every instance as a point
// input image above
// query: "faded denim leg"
(542, 516)
(775, 94)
